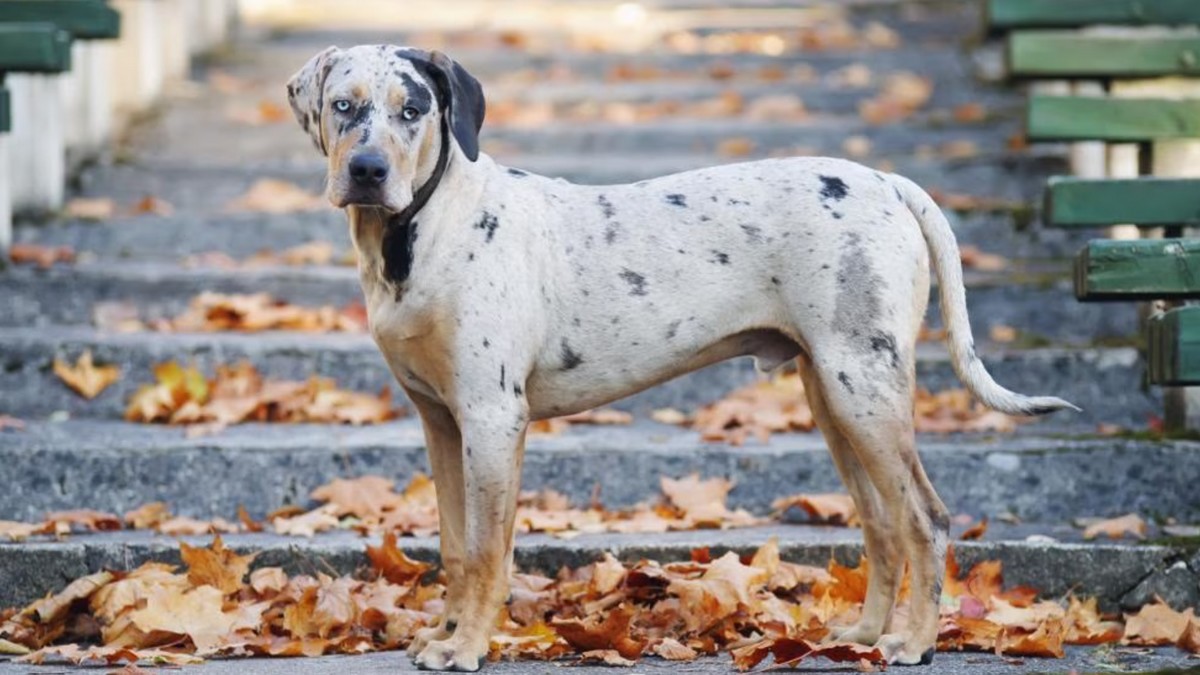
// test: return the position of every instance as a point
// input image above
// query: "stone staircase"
(77, 453)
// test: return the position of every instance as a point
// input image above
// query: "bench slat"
(1082, 118)
(1173, 343)
(1065, 54)
(34, 48)
(1009, 14)
(5, 111)
(83, 19)
(1149, 202)
(1138, 269)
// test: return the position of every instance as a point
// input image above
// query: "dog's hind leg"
(885, 562)
(873, 409)
(444, 446)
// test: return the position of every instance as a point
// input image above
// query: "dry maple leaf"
(90, 208)
(975, 531)
(1116, 528)
(974, 258)
(148, 515)
(14, 531)
(269, 195)
(216, 566)
(42, 256)
(363, 497)
(390, 562)
(89, 519)
(86, 378)
(831, 508)
(320, 519)
(1157, 624)
(197, 613)
(152, 205)
(611, 632)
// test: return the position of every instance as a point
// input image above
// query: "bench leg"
(37, 153)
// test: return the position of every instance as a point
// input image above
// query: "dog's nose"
(369, 169)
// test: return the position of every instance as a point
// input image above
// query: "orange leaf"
(86, 378)
(216, 566)
(1116, 528)
(391, 563)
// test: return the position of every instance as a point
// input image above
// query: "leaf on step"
(973, 258)
(1158, 624)
(608, 633)
(829, 509)
(362, 497)
(320, 519)
(16, 531)
(90, 208)
(1116, 528)
(392, 564)
(42, 256)
(54, 608)
(975, 531)
(270, 195)
(9, 423)
(216, 566)
(216, 312)
(98, 521)
(148, 516)
(85, 377)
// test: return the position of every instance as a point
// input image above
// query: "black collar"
(400, 232)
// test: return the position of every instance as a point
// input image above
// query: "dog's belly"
(554, 391)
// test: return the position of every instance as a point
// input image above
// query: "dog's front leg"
(493, 445)
(443, 442)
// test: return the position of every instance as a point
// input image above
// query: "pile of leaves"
(752, 606)
(240, 394)
(777, 405)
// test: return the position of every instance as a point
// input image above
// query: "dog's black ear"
(306, 93)
(463, 97)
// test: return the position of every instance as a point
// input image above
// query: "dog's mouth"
(373, 198)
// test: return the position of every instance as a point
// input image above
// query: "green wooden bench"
(83, 19)
(1040, 46)
(34, 47)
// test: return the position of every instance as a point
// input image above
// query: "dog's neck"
(386, 241)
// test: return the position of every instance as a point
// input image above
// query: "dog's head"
(380, 114)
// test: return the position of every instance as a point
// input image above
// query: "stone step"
(1036, 300)
(1117, 574)
(1105, 382)
(118, 466)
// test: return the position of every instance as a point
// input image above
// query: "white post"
(1088, 158)
(37, 151)
(173, 39)
(5, 199)
(86, 102)
(136, 67)
(1124, 161)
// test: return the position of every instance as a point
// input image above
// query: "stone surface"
(30, 569)
(117, 467)
(1106, 383)
(1177, 584)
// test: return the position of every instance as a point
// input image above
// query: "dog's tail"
(947, 266)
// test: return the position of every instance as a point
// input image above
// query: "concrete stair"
(78, 454)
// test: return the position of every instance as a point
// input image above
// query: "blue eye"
(341, 105)
(409, 113)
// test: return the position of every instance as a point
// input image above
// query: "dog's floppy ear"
(462, 97)
(306, 93)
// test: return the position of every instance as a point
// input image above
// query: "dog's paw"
(453, 654)
(858, 633)
(904, 650)
(426, 635)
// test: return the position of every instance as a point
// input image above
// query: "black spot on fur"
(610, 233)
(1041, 410)
(845, 380)
(776, 281)
(753, 234)
(705, 219)
(399, 240)
(885, 343)
(502, 377)
(486, 343)
(738, 202)
(361, 115)
(672, 329)
(418, 96)
(451, 625)
(570, 359)
(471, 257)
(517, 390)
(719, 257)
(518, 173)
(833, 188)
(677, 200)
(468, 451)
(488, 223)
(637, 282)
(606, 207)
(899, 197)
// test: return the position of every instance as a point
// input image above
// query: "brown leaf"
(974, 258)
(391, 563)
(1158, 624)
(320, 519)
(363, 497)
(42, 256)
(197, 613)
(612, 632)
(14, 531)
(674, 650)
(975, 531)
(832, 509)
(1116, 528)
(86, 518)
(152, 205)
(147, 516)
(90, 208)
(216, 566)
(270, 195)
(7, 422)
(55, 607)
(86, 378)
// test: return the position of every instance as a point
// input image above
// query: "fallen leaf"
(216, 566)
(1116, 528)
(736, 147)
(86, 378)
(42, 256)
(830, 509)
(270, 195)
(90, 208)
(975, 531)
(152, 205)
(8, 423)
(1157, 624)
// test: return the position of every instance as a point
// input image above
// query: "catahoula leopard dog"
(498, 296)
